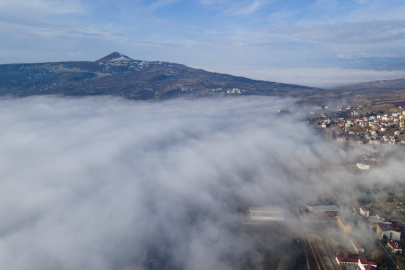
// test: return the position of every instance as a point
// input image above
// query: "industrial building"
(354, 263)
(266, 214)
(329, 210)
(343, 225)
(390, 231)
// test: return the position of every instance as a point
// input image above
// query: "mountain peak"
(115, 56)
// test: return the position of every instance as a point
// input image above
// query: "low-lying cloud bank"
(314, 77)
(107, 183)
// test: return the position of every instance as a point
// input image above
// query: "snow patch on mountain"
(121, 58)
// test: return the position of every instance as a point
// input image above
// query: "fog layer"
(107, 183)
(314, 77)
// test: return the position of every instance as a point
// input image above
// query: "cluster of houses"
(375, 127)
(353, 263)
(391, 231)
(234, 91)
(216, 89)
(384, 229)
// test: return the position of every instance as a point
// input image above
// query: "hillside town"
(363, 127)
(364, 234)
(383, 217)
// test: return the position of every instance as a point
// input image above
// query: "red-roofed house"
(394, 246)
(357, 247)
(364, 211)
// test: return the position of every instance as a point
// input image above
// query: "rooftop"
(361, 261)
(387, 226)
(374, 219)
(266, 209)
(368, 267)
(364, 261)
(394, 245)
(346, 260)
(320, 208)
(267, 214)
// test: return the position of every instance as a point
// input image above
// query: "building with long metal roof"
(266, 214)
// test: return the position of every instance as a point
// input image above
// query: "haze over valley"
(202, 135)
(115, 183)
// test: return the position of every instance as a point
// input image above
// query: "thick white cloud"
(106, 183)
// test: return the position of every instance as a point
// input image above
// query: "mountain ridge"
(118, 74)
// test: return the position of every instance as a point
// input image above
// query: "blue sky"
(204, 33)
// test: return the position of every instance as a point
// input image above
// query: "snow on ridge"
(122, 58)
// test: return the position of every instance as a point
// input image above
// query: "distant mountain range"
(117, 74)
(368, 63)
(377, 86)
